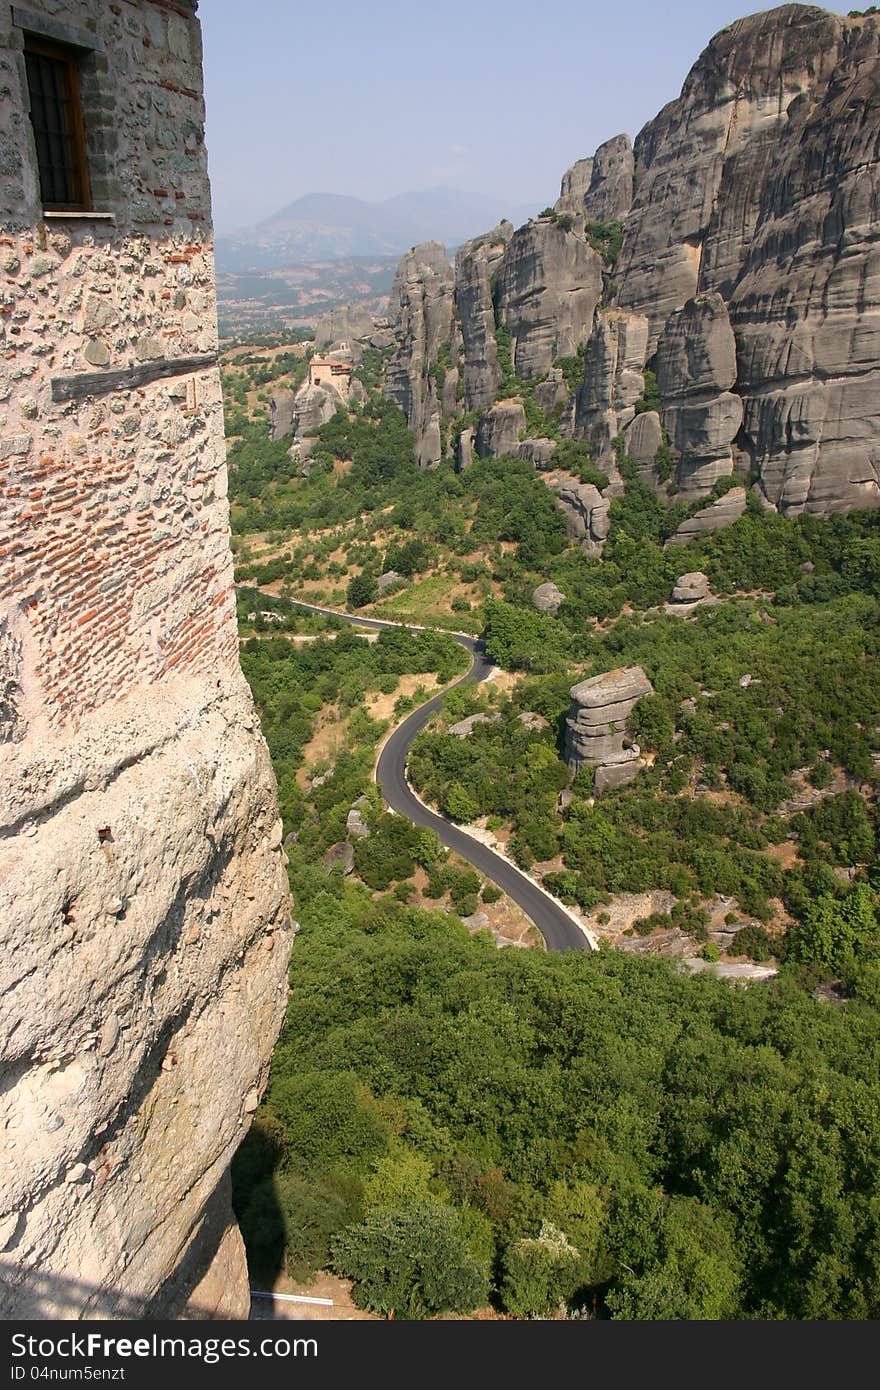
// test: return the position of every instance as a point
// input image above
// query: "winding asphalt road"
(559, 930)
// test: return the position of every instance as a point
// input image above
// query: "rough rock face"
(498, 430)
(313, 406)
(596, 726)
(600, 189)
(613, 380)
(575, 186)
(610, 193)
(760, 182)
(344, 324)
(642, 438)
(538, 451)
(282, 413)
(704, 161)
(547, 598)
(465, 448)
(549, 284)
(749, 248)
(587, 514)
(389, 580)
(476, 264)
(422, 306)
(143, 899)
(728, 508)
(465, 727)
(696, 366)
(340, 857)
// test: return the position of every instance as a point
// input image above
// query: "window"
(56, 116)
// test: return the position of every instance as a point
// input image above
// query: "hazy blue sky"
(373, 99)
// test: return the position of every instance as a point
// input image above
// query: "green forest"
(453, 1126)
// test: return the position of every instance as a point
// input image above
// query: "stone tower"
(144, 910)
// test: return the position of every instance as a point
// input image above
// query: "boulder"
(389, 580)
(465, 727)
(535, 723)
(690, 588)
(547, 598)
(355, 825)
(339, 856)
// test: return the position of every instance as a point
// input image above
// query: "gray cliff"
(747, 282)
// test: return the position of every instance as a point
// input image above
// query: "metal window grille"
(56, 117)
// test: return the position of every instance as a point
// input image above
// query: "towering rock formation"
(751, 211)
(596, 735)
(144, 911)
(613, 380)
(760, 183)
(600, 189)
(422, 306)
(696, 367)
(610, 193)
(575, 186)
(476, 269)
(345, 323)
(549, 283)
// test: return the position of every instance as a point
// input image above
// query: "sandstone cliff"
(144, 910)
(760, 184)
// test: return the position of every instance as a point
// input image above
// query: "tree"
(540, 1273)
(412, 1261)
(399, 1176)
(362, 589)
(460, 805)
(685, 1267)
(836, 932)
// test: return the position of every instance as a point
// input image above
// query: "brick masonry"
(101, 499)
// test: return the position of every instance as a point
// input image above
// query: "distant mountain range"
(333, 226)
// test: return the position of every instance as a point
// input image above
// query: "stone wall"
(144, 910)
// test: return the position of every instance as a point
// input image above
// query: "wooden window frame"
(70, 58)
